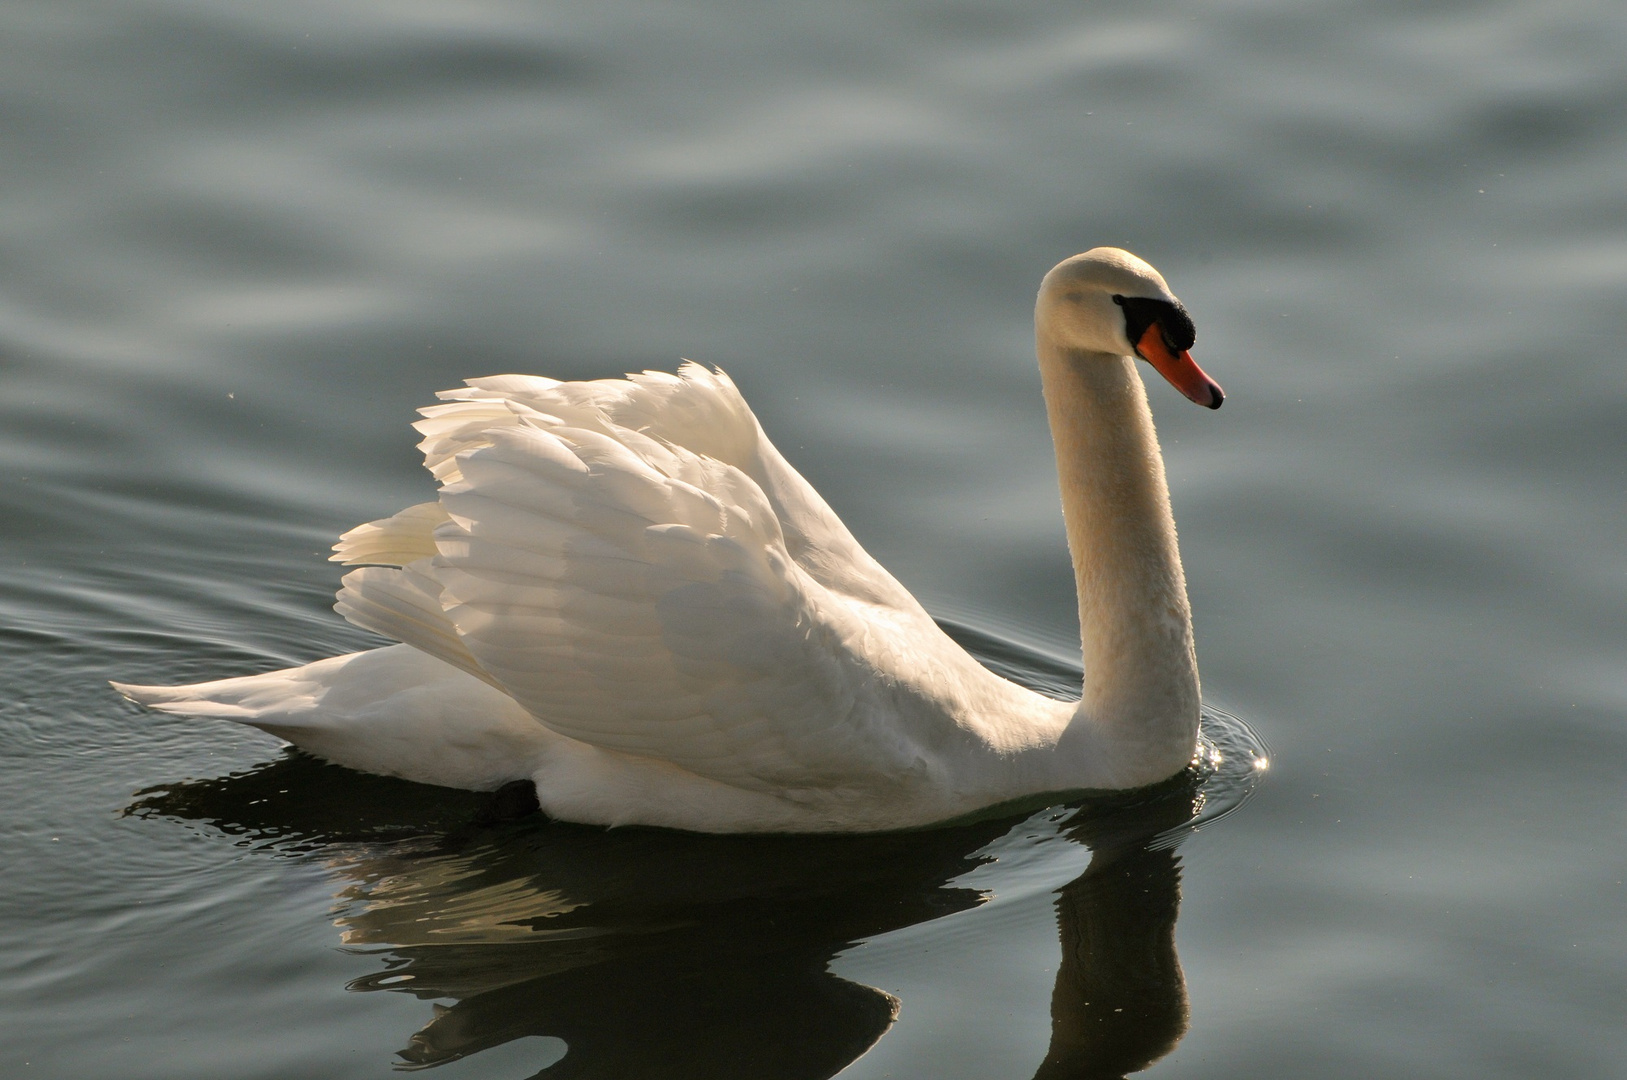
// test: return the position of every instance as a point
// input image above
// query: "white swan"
(624, 594)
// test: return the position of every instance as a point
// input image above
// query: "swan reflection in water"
(652, 953)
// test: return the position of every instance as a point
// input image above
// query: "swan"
(626, 596)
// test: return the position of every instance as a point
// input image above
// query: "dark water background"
(240, 243)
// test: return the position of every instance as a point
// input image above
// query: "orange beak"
(1182, 371)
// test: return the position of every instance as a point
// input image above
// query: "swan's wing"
(640, 596)
(696, 410)
(403, 538)
(405, 604)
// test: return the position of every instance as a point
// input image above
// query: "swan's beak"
(1182, 371)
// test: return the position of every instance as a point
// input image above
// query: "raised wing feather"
(635, 565)
(405, 604)
(696, 409)
(393, 541)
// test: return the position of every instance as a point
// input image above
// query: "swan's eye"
(1174, 324)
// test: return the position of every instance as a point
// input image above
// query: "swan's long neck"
(1139, 712)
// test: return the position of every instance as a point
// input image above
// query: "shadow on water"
(652, 953)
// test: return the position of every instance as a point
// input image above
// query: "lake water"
(240, 243)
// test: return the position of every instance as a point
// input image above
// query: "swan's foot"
(511, 802)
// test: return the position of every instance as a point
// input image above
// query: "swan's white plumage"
(635, 593)
(624, 593)
(404, 604)
(396, 711)
(393, 541)
(616, 559)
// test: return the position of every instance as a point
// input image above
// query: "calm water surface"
(241, 243)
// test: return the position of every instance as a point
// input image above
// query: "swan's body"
(626, 595)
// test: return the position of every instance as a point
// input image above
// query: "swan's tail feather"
(188, 700)
(393, 711)
(289, 698)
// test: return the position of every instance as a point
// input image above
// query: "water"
(241, 243)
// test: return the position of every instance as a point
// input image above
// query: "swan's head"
(1108, 301)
